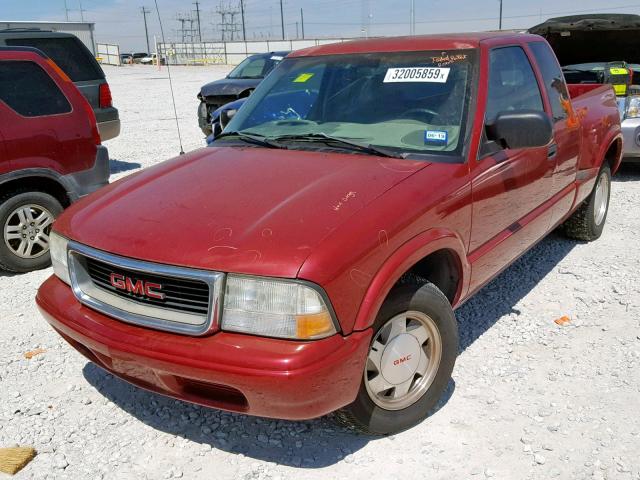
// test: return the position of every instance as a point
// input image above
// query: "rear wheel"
(587, 223)
(25, 222)
(409, 364)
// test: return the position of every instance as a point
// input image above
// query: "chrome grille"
(190, 300)
(180, 295)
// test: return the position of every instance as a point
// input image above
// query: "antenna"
(173, 99)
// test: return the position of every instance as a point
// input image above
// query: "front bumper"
(88, 181)
(631, 136)
(242, 373)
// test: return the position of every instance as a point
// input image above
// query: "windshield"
(409, 102)
(255, 67)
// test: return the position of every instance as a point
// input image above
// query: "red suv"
(50, 154)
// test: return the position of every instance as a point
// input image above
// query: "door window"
(27, 89)
(553, 79)
(512, 83)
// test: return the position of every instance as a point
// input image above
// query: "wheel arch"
(246, 92)
(611, 152)
(437, 255)
(38, 180)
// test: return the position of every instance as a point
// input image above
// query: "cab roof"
(457, 41)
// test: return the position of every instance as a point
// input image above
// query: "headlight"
(633, 107)
(58, 249)
(275, 308)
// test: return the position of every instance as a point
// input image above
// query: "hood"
(610, 38)
(228, 86)
(233, 209)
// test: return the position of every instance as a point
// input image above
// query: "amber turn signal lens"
(314, 325)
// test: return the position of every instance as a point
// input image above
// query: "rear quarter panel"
(596, 111)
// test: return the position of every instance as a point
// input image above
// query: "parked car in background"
(239, 83)
(75, 59)
(602, 48)
(137, 57)
(125, 58)
(311, 259)
(152, 59)
(50, 154)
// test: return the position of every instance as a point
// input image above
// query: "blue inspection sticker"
(436, 137)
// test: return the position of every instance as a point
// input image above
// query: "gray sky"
(121, 22)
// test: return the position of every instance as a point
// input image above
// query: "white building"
(82, 30)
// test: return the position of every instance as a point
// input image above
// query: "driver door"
(505, 182)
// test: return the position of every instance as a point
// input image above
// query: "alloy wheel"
(26, 231)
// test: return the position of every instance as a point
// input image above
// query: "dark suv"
(240, 82)
(75, 59)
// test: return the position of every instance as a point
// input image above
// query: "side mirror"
(521, 129)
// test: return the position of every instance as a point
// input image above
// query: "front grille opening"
(188, 296)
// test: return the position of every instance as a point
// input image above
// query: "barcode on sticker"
(417, 74)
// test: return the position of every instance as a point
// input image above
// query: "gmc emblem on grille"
(137, 287)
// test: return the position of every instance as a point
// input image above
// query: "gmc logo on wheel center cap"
(402, 360)
(137, 287)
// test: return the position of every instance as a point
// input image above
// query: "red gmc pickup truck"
(311, 259)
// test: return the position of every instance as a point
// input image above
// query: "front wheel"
(588, 221)
(25, 220)
(409, 364)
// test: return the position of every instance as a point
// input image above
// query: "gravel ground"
(530, 399)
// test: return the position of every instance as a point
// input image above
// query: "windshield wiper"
(342, 142)
(253, 138)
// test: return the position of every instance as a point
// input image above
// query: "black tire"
(9, 260)
(582, 224)
(365, 416)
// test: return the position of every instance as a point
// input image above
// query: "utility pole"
(282, 19)
(412, 17)
(66, 10)
(244, 32)
(302, 22)
(500, 23)
(82, 10)
(297, 34)
(146, 31)
(197, 4)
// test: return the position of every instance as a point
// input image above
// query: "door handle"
(552, 151)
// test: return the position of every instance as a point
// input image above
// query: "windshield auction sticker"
(417, 74)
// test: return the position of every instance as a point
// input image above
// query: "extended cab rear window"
(28, 90)
(68, 52)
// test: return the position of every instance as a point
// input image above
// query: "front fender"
(402, 260)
